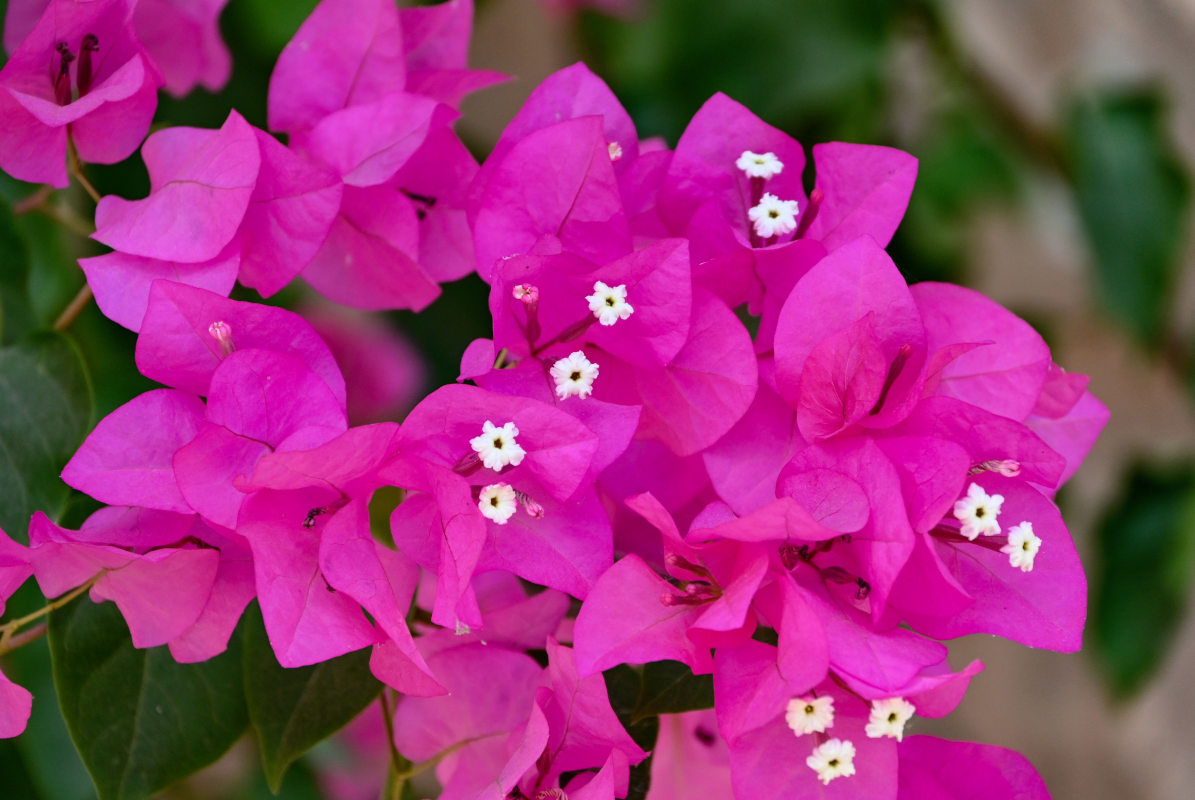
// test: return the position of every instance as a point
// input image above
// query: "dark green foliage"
(1132, 196)
(1146, 546)
(294, 709)
(140, 720)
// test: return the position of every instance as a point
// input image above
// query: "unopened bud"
(530, 506)
(222, 333)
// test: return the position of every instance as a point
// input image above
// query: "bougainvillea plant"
(699, 518)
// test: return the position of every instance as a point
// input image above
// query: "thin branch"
(74, 308)
(77, 170)
(25, 638)
(10, 628)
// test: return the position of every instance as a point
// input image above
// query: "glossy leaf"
(1132, 196)
(1146, 546)
(294, 709)
(670, 687)
(139, 720)
(45, 408)
(625, 686)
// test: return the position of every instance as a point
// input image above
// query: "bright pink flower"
(126, 461)
(100, 82)
(554, 190)
(937, 769)
(16, 704)
(179, 348)
(160, 592)
(182, 38)
(221, 203)
(385, 374)
(636, 615)
(14, 567)
(710, 197)
(690, 759)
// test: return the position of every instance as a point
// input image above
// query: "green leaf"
(1146, 548)
(16, 313)
(670, 687)
(624, 685)
(45, 409)
(1132, 195)
(139, 720)
(294, 709)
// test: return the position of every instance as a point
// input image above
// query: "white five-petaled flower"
(809, 714)
(978, 512)
(773, 216)
(609, 303)
(888, 718)
(497, 446)
(1022, 546)
(759, 165)
(574, 375)
(832, 759)
(497, 502)
(615, 151)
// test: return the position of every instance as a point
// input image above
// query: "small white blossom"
(615, 151)
(497, 446)
(574, 375)
(809, 714)
(1022, 546)
(978, 512)
(832, 759)
(759, 165)
(609, 303)
(888, 718)
(497, 502)
(773, 216)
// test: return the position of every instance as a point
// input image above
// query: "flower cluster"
(804, 508)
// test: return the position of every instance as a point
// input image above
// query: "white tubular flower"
(609, 303)
(497, 502)
(574, 375)
(615, 151)
(759, 165)
(809, 714)
(832, 759)
(497, 446)
(1022, 546)
(978, 512)
(773, 216)
(888, 718)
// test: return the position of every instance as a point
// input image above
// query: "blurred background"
(1055, 144)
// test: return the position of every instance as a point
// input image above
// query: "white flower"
(497, 446)
(609, 303)
(497, 502)
(1022, 546)
(773, 216)
(615, 151)
(759, 165)
(574, 375)
(809, 714)
(888, 718)
(832, 759)
(978, 512)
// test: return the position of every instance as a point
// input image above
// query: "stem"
(73, 309)
(396, 778)
(9, 628)
(22, 639)
(61, 214)
(77, 170)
